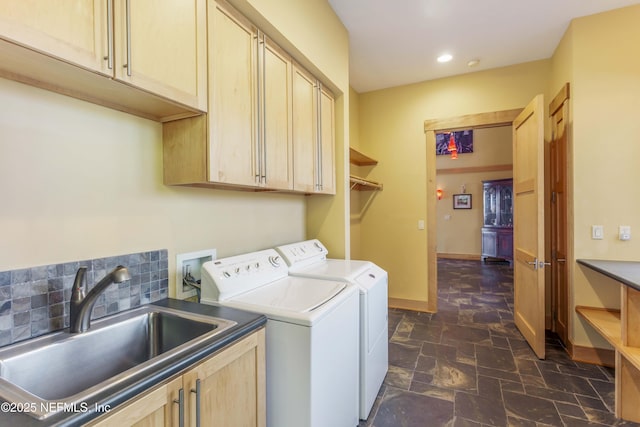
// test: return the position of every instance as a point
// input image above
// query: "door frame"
(561, 100)
(431, 127)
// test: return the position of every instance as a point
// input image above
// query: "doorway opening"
(431, 127)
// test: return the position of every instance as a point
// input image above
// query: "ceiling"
(396, 42)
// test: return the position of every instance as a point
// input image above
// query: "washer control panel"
(225, 278)
(303, 253)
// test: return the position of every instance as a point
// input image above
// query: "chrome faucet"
(81, 304)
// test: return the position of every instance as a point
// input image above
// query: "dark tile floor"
(468, 365)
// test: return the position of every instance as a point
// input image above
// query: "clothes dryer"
(309, 259)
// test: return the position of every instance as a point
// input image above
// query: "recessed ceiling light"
(473, 62)
(445, 58)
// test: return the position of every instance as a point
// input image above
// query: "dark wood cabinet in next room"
(497, 228)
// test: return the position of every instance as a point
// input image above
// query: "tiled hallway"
(468, 365)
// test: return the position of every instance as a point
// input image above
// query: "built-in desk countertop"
(625, 272)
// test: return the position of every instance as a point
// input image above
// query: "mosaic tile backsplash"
(35, 301)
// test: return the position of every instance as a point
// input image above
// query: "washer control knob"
(226, 274)
(275, 260)
(237, 270)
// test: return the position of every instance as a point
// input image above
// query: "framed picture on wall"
(462, 138)
(462, 201)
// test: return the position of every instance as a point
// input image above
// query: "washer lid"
(293, 294)
(333, 269)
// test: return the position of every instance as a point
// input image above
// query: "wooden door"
(277, 116)
(233, 150)
(304, 130)
(153, 409)
(230, 386)
(326, 145)
(72, 30)
(528, 236)
(160, 46)
(559, 110)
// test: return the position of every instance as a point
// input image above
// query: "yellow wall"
(391, 130)
(356, 197)
(459, 231)
(597, 54)
(78, 181)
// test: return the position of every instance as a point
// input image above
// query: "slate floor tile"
(495, 358)
(480, 408)
(404, 356)
(532, 408)
(399, 408)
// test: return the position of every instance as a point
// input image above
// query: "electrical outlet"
(624, 232)
(597, 232)
(421, 224)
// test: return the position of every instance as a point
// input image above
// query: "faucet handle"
(78, 290)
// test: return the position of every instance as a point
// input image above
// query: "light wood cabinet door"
(305, 132)
(160, 46)
(230, 387)
(313, 135)
(276, 133)
(154, 409)
(250, 105)
(327, 143)
(233, 144)
(74, 31)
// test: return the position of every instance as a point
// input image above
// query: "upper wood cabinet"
(250, 110)
(158, 46)
(245, 140)
(313, 134)
(72, 30)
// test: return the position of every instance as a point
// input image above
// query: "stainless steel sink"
(61, 368)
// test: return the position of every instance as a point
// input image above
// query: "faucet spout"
(81, 304)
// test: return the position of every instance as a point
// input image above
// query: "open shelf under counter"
(608, 323)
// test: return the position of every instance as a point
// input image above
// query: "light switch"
(597, 232)
(421, 224)
(624, 232)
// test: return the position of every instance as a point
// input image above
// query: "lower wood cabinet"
(226, 389)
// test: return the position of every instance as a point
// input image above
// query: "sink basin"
(65, 369)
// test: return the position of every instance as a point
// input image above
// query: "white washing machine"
(309, 259)
(311, 336)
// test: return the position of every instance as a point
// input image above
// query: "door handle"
(538, 264)
(180, 402)
(562, 260)
(197, 393)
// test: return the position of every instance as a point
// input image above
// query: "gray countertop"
(246, 323)
(625, 272)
